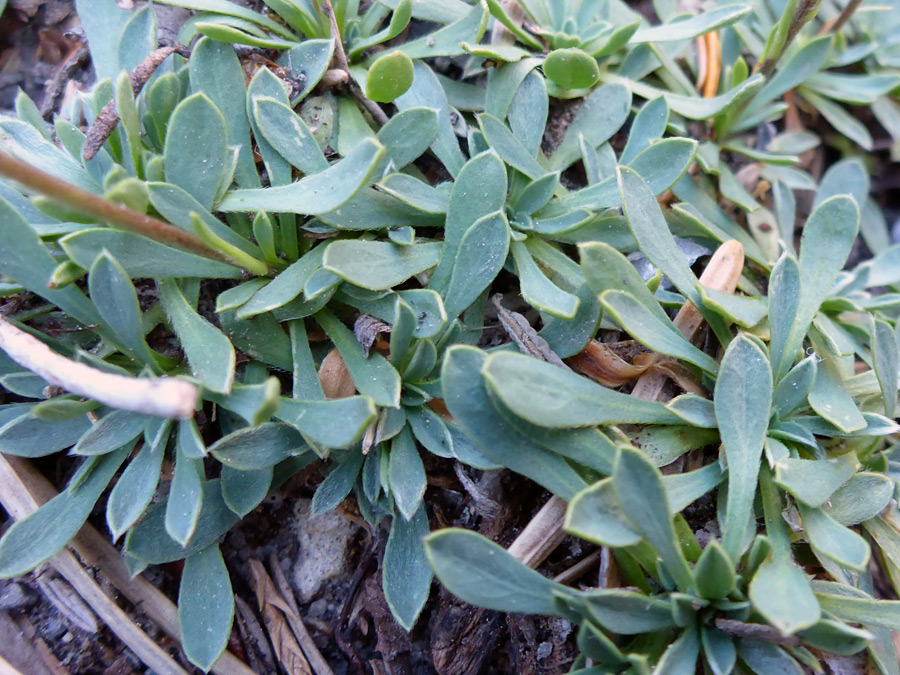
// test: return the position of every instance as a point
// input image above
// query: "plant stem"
(108, 118)
(122, 217)
(844, 17)
(163, 396)
(341, 62)
(804, 12)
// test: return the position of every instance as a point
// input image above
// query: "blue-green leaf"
(743, 400)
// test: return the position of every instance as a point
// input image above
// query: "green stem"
(788, 27)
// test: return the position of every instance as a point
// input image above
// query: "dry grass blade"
(315, 658)
(162, 396)
(19, 502)
(67, 602)
(19, 480)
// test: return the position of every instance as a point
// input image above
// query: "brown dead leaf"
(682, 376)
(526, 337)
(274, 609)
(598, 362)
(367, 329)
(334, 377)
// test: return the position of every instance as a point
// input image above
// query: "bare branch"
(106, 121)
(756, 631)
(340, 58)
(163, 396)
(34, 179)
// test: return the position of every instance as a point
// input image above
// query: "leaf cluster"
(306, 213)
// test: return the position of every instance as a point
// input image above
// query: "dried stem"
(843, 18)
(340, 58)
(20, 503)
(542, 534)
(24, 487)
(163, 396)
(755, 631)
(108, 118)
(122, 217)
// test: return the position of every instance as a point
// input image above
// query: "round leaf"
(572, 68)
(389, 77)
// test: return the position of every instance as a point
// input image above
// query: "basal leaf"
(646, 328)
(406, 579)
(137, 484)
(639, 487)
(316, 194)
(205, 607)
(258, 447)
(209, 353)
(315, 419)
(379, 265)
(833, 540)
(216, 72)
(406, 474)
(689, 28)
(141, 257)
(196, 148)
(467, 399)
(814, 481)
(479, 190)
(549, 396)
(478, 259)
(743, 400)
(479, 571)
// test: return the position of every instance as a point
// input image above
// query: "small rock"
(544, 650)
(15, 596)
(323, 540)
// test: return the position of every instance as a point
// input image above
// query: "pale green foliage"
(412, 225)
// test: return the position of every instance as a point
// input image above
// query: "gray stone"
(324, 540)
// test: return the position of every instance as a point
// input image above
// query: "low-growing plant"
(247, 264)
